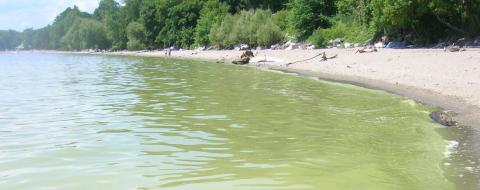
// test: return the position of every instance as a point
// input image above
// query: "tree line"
(156, 24)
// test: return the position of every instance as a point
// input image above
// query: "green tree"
(109, 13)
(307, 16)
(178, 21)
(62, 25)
(358, 10)
(239, 5)
(213, 12)
(254, 28)
(9, 39)
(27, 38)
(85, 34)
(460, 16)
(148, 18)
(136, 36)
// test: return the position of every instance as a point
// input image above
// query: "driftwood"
(244, 58)
(454, 49)
(325, 58)
(242, 61)
(323, 55)
(443, 118)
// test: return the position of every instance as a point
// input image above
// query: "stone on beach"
(444, 118)
(244, 58)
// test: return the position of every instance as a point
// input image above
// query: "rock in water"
(443, 118)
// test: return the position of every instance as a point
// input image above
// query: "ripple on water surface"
(77, 122)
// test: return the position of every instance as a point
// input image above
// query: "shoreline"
(415, 74)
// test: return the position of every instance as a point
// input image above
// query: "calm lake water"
(74, 122)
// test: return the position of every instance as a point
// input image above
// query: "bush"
(281, 19)
(318, 39)
(343, 27)
(213, 12)
(136, 36)
(85, 34)
(254, 28)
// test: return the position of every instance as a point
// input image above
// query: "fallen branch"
(323, 54)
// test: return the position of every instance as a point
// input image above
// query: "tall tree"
(239, 5)
(152, 24)
(109, 13)
(178, 18)
(62, 24)
(136, 36)
(308, 15)
(85, 34)
(213, 12)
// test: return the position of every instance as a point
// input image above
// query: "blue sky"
(22, 14)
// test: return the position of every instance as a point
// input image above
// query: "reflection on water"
(77, 122)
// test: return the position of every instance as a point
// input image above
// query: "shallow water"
(92, 122)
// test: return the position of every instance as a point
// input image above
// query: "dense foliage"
(155, 24)
(9, 39)
(253, 28)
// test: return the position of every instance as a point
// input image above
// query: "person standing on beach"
(168, 52)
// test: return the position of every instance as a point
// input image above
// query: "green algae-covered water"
(91, 122)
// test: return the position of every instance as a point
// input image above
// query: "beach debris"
(325, 58)
(290, 45)
(335, 42)
(443, 117)
(247, 54)
(244, 58)
(379, 45)
(347, 45)
(241, 47)
(323, 55)
(275, 47)
(454, 48)
(366, 50)
(395, 45)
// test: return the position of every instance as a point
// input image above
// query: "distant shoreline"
(446, 80)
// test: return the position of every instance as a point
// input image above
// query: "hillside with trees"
(156, 24)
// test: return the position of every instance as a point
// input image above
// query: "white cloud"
(86, 5)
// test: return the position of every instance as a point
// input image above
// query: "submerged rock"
(444, 118)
